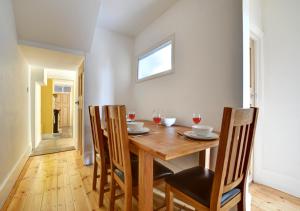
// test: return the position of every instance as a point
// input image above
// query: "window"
(61, 88)
(156, 62)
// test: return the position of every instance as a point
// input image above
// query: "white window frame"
(155, 48)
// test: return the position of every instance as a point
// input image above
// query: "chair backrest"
(97, 132)
(236, 142)
(115, 116)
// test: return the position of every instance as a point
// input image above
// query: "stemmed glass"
(196, 118)
(131, 116)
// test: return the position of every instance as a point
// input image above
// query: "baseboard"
(8, 183)
(278, 181)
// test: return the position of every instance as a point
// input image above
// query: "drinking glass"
(131, 116)
(156, 117)
(196, 118)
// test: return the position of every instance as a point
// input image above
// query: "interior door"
(80, 106)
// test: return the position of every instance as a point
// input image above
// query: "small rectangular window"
(61, 89)
(158, 61)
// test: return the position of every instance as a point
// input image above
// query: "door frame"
(80, 121)
(257, 36)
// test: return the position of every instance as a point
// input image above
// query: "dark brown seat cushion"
(197, 183)
(159, 171)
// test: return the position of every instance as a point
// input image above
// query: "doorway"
(57, 115)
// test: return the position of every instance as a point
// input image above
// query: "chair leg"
(112, 194)
(95, 174)
(241, 206)
(128, 201)
(169, 198)
(102, 185)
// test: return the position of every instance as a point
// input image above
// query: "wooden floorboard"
(61, 182)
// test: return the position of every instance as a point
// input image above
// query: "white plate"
(191, 134)
(138, 132)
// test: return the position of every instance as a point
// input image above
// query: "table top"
(165, 142)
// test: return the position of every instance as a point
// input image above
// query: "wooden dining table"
(165, 143)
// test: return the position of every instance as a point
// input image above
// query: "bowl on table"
(135, 126)
(168, 121)
(203, 130)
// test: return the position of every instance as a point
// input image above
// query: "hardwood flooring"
(266, 198)
(60, 181)
(54, 145)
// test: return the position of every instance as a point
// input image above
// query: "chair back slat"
(97, 132)
(118, 138)
(240, 152)
(232, 154)
(236, 141)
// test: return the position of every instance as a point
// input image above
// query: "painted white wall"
(37, 78)
(37, 116)
(279, 156)
(208, 62)
(246, 54)
(255, 9)
(107, 76)
(14, 143)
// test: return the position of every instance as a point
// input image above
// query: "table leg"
(145, 201)
(204, 158)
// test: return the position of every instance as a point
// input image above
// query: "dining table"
(164, 143)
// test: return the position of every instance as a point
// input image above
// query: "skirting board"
(278, 181)
(13, 175)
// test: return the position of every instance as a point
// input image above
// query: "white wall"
(279, 154)
(107, 76)
(37, 110)
(14, 143)
(256, 13)
(37, 78)
(208, 62)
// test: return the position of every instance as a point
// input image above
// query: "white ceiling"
(64, 23)
(45, 58)
(131, 16)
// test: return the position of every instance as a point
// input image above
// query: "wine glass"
(196, 118)
(156, 117)
(131, 116)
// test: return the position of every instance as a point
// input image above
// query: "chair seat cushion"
(197, 183)
(159, 171)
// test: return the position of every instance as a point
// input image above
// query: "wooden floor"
(61, 182)
(48, 146)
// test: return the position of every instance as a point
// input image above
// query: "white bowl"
(168, 121)
(135, 126)
(202, 129)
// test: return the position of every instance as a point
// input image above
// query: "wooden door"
(80, 106)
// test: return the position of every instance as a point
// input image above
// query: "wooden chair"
(226, 187)
(101, 155)
(124, 167)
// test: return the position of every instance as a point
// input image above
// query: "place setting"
(199, 132)
(135, 127)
